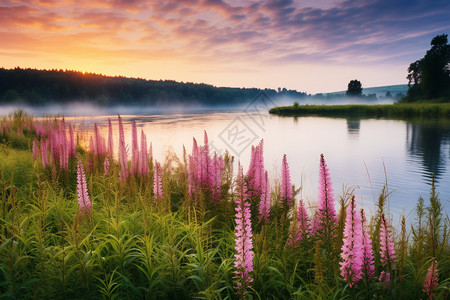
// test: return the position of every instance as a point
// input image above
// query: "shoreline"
(407, 110)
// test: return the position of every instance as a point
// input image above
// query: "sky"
(310, 45)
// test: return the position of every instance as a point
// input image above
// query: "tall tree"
(354, 88)
(430, 75)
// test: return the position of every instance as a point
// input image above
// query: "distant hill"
(40, 87)
(380, 91)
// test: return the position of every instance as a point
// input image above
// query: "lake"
(361, 154)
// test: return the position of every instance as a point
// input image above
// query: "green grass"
(131, 247)
(423, 110)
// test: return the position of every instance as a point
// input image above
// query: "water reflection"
(429, 141)
(353, 126)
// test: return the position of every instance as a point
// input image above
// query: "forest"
(40, 87)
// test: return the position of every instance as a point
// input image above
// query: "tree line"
(429, 77)
(40, 87)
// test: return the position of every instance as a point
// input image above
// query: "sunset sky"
(310, 45)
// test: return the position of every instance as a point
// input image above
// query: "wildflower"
(368, 262)
(106, 165)
(387, 251)
(83, 196)
(431, 280)
(264, 204)
(157, 182)
(352, 249)
(123, 160)
(301, 227)
(326, 222)
(286, 186)
(243, 236)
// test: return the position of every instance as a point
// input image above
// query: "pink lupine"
(217, 167)
(110, 139)
(123, 159)
(143, 156)
(134, 149)
(243, 236)
(368, 261)
(72, 147)
(384, 277)
(352, 248)
(432, 280)
(387, 251)
(83, 196)
(326, 212)
(300, 227)
(106, 165)
(35, 149)
(256, 171)
(264, 204)
(286, 186)
(157, 181)
(44, 150)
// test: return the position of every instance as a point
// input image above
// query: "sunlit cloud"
(123, 37)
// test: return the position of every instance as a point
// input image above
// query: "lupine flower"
(352, 248)
(123, 160)
(106, 165)
(368, 262)
(431, 280)
(83, 196)
(264, 204)
(217, 165)
(243, 236)
(143, 156)
(134, 149)
(300, 227)
(286, 186)
(387, 251)
(157, 181)
(71, 142)
(384, 277)
(110, 139)
(35, 149)
(326, 211)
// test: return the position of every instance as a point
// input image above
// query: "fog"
(74, 109)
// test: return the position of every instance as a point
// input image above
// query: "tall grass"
(133, 245)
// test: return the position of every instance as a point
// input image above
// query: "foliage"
(430, 75)
(129, 246)
(39, 87)
(404, 110)
(354, 88)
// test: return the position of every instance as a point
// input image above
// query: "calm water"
(362, 154)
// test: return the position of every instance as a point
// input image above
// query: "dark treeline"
(40, 87)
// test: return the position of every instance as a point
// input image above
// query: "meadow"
(81, 221)
(397, 110)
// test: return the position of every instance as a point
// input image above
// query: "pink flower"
(123, 159)
(243, 235)
(106, 165)
(387, 251)
(368, 261)
(264, 204)
(384, 277)
(83, 196)
(110, 139)
(157, 181)
(431, 280)
(286, 186)
(326, 212)
(352, 248)
(300, 227)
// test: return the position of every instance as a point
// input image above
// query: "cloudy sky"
(308, 45)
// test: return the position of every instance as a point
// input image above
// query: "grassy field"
(425, 110)
(75, 223)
